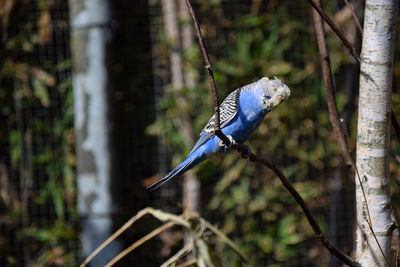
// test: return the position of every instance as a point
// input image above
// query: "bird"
(242, 111)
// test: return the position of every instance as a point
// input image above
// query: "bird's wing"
(227, 111)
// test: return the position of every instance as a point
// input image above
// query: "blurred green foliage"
(246, 42)
(36, 105)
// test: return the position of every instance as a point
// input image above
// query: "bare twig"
(240, 148)
(162, 216)
(185, 222)
(140, 242)
(208, 64)
(314, 224)
(335, 28)
(330, 94)
(115, 235)
(224, 238)
(350, 48)
(350, 6)
(181, 253)
(188, 263)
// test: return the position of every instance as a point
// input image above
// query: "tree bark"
(373, 137)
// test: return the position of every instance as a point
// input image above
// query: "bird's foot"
(246, 154)
(227, 146)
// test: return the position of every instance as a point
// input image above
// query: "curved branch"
(330, 94)
(314, 224)
(242, 149)
(208, 64)
(351, 49)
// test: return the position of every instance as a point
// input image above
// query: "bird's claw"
(229, 145)
(246, 154)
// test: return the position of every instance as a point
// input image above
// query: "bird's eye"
(275, 89)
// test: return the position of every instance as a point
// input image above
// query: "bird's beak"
(278, 100)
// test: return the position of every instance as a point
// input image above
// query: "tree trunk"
(91, 37)
(374, 132)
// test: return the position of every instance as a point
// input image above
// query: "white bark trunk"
(90, 40)
(374, 131)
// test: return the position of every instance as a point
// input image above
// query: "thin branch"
(330, 94)
(188, 263)
(140, 242)
(350, 6)
(123, 228)
(208, 64)
(180, 254)
(350, 48)
(314, 224)
(240, 148)
(335, 28)
(224, 238)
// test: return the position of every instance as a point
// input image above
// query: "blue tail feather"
(185, 165)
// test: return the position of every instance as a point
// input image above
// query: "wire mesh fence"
(39, 214)
(247, 39)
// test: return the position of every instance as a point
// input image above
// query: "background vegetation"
(246, 40)
(275, 38)
(38, 192)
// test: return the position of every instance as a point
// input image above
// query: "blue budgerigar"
(241, 113)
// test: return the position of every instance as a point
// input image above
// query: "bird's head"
(274, 92)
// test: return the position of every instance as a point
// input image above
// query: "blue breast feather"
(248, 117)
